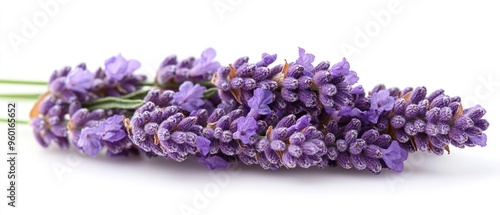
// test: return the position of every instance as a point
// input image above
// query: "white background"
(437, 44)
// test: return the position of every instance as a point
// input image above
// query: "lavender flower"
(351, 146)
(81, 85)
(165, 131)
(343, 69)
(305, 149)
(118, 77)
(334, 91)
(205, 64)
(294, 90)
(82, 119)
(190, 69)
(238, 82)
(111, 130)
(89, 141)
(434, 122)
(305, 60)
(203, 145)
(259, 102)
(380, 101)
(247, 127)
(394, 156)
(50, 125)
(117, 68)
(222, 132)
(189, 96)
(79, 79)
(69, 88)
(72, 85)
(92, 133)
(267, 59)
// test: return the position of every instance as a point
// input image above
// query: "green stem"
(20, 96)
(210, 92)
(147, 84)
(113, 102)
(136, 95)
(208, 84)
(175, 84)
(18, 121)
(22, 82)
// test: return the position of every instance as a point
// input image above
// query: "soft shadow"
(191, 167)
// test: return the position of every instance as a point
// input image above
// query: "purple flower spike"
(381, 101)
(205, 64)
(247, 127)
(213, 162)
(305, 60)
(116, 68)
(89, 141)
(298, 114)
(189, 96)
(260, 101)
(394, 157)
(79, 79)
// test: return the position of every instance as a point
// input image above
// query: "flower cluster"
(433, 122)
(295, 114)
(190, 69)
(60, 118)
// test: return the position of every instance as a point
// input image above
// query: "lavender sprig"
(284, 116)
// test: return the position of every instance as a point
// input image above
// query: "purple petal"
(203, 144)
(113, 136)
(117, 67)
(340, 68)
(79, 80)
(260, 100)
(208, 54)
(302, 123)
(358, 90)
(89, 142)
(247, 127)
(204, 64)
(479, 140)
(189, 96)
(394, 157)
(352, 77)
(132, 66)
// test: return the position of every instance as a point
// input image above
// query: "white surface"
(436, 44)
